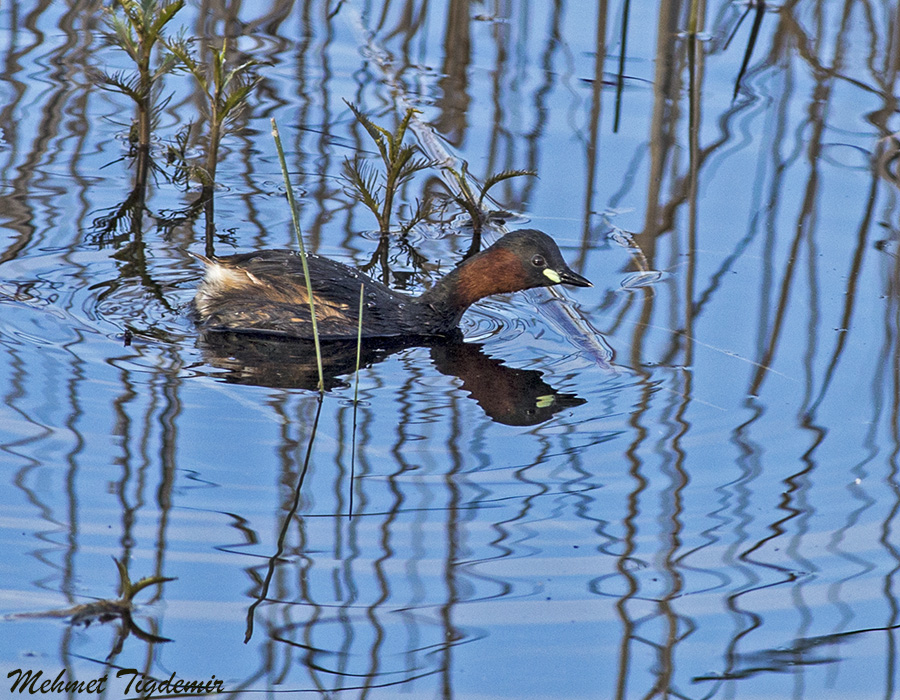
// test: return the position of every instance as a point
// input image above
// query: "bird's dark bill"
(574, 279)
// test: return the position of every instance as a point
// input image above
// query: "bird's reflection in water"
(507, 395)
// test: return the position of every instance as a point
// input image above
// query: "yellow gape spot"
(552, 275)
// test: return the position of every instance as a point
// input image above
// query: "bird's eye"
(538, 261)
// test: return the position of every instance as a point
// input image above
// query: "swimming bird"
(265, 292)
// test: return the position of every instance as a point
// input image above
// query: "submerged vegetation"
(108, 609)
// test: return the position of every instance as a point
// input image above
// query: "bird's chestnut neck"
(493, 271)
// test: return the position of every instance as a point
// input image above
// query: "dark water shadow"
(507, 395)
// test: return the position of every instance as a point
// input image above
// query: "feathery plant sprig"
(472, 202)
(226, 90)
(137, 30)
(374, 188)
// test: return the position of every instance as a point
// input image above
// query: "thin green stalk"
(291, 202)
(359, 343)
(356, 400)
(694, 18)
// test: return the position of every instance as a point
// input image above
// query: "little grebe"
(265, 292)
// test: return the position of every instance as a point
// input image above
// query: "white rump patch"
(218, 279)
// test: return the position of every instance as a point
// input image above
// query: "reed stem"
(356, 400)
(359, 343)
(296, 221)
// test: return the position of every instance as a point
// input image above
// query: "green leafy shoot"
(137, 30)
(473, 201)
(225, 88)
(399, 163)
(141, 27)
(500, 177)
(365, 182)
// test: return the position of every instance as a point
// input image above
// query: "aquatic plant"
(225, 90)
(376, 189)
(107, 609)
(473, 203)
(137, 30)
